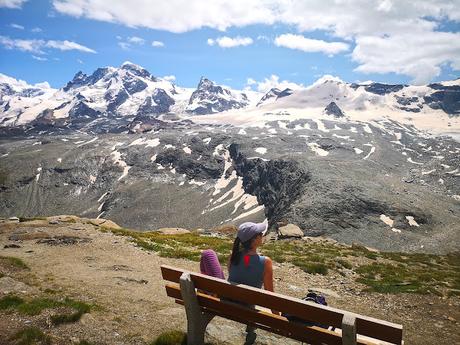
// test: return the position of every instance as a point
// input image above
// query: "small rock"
(14, 219)
(450, 318)
(53, 221)
(290, 230)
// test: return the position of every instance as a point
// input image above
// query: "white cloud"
(229, 42)
(272, 82)
(12, 3)
(172, 15)
(170, 78)
(39, 58)
(36, 30)
(68, 45)
(421, 58)
(351, 20)
(136, 40)
(17, 26)
(80, 61)
(158, 44)
(124, 45)
(38, 46)
(129, 42)
(309, 45)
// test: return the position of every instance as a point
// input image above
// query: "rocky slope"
(383, 184)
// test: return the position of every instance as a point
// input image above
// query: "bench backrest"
(219, 291)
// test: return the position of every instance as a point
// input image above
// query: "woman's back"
(248, 271)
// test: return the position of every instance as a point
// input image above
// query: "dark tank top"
(249, 271)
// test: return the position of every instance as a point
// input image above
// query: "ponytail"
(236, 252)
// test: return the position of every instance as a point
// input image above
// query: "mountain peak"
(135, 69)
(205, 83)
(327, 78)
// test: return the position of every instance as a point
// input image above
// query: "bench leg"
(197, 321)
(348, 329)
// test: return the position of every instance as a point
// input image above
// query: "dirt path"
(125, 283)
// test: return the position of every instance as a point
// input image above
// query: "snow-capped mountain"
(118, 99)
(17, 95)
(370, 96)
(210, 98)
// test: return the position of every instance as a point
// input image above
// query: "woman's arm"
(268, 278)
(268, 274)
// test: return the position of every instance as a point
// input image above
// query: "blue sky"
(265, 42)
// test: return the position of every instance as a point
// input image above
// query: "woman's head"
(249, 237)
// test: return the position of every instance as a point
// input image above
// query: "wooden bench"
(205, 297)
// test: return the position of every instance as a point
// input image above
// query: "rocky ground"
(71, 257)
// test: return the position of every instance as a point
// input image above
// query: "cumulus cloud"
(157, 44)
(39, 46)
(12, 3)
(272, 82)
(229, 42)
(421, 58)
(309, 45)
(17, 26)
(355, 21)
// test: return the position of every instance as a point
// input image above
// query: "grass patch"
(344, 263)
(30, 336)
(171, 338)
(14, 262)
(80, 309)
(9, 302)
(380, 271)
(311, 267)
(37, 305)
(186, 246)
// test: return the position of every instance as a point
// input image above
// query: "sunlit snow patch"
(387, 220)
(261, 150)
(317, 149)
(411, 221)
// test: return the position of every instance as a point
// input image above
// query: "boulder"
(173, 231)
(106, 223)
(290, 230)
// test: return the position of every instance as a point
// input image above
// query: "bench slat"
(367, 326)
(276, 324)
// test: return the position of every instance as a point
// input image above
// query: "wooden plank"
(367, 326)
(276, 324)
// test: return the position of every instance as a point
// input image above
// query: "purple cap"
(248, 230)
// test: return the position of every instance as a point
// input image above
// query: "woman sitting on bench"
(247, 267)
